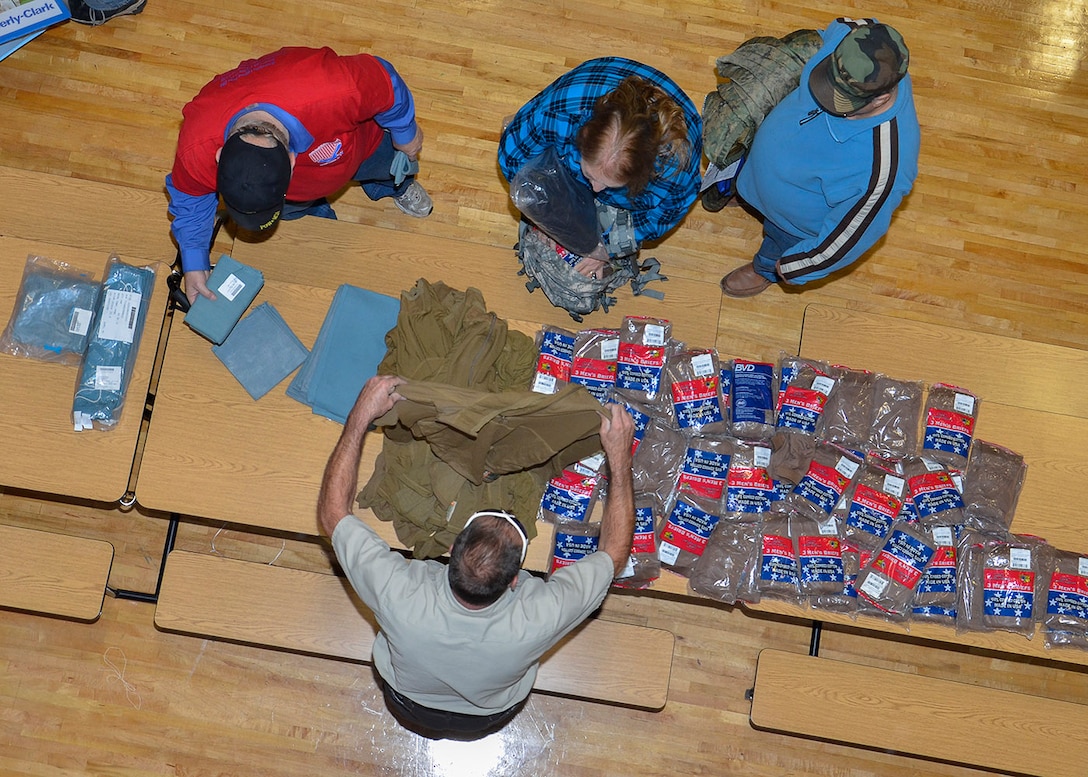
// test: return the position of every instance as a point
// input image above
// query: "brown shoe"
(744, 282)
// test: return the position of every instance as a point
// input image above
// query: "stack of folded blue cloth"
(347, 352)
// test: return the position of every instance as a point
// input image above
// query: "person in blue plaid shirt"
(624, 130)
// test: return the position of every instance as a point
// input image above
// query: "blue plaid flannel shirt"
(554, 116)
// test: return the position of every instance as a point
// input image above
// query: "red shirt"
(335, 98)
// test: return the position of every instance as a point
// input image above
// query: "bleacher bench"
(316, 613)
(53, 574)
(921, 716)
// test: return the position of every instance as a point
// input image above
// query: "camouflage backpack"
(550, 267)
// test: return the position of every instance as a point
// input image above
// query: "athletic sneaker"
(96, 12)
(414, 201)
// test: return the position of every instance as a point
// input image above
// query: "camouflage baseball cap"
(868, 62)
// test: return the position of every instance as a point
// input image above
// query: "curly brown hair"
(631, 128)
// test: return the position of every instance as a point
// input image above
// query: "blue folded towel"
(235, 285)
(348, 350)
(261, 350)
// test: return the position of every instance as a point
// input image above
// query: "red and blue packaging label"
(1008, 593)
(749, 490)
(704, 473)
(933, 493)
(903, 558)
(949, 431)
(820, 559)
(688, 528)
(873, 511)
(569, 548)
(778, 563)
(696, 402)
(639, 367)
(823, 486)
(1068, 595)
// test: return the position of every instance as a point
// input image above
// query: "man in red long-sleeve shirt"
(278, 134)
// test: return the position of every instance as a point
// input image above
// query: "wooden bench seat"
(53, 574)
(922, 716)
(318, 613)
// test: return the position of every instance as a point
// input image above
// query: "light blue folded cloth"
(235, 285)
(261, 350)
(347, 352)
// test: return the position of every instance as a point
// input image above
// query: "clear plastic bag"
(112, 347)
(991, 486)
(871, 505)
(802, 395)
(593, 362)
(693, 388)
(897, 409)
(890, 579)
(1002, 583)
(848, 414)
(827, 477)
(1065, 623)
(555, 347)
(640, 361)
(549, 196)
(775, 573)
(643, 565)
(574, 540)
(685, 531)
(950, 416)
(727, 562)
(53, 314)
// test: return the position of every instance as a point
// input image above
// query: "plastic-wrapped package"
(727, 562)
(890, 579)
(775, 573)
(1001, 583)
(790, 457)
(573, 540)
(593, 362)
(556, 348)
(897, 411)
(656, 464)
(848, 415)
(549, 196)
(643, 565)
(1065, 623)
(53, 313)
(753, 399)
(685, 531)
(950, 416)
(935, 597)
(569, 496)
(819, 556)
(640, 358)
(111, 349)
(846, 600)
(804, 391)
(826, 479)
(991, 486)
(642, 416)
(749, 491)
(705, 468)
(872, 505)
(933, 492)
(693, 388)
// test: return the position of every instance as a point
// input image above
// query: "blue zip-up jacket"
(831, 182)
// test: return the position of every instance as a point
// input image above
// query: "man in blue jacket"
(832, 161)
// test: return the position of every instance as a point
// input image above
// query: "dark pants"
(374, 176)
(439, 724)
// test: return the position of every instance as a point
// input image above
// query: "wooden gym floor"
(990, 239)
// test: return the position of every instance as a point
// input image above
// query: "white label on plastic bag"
(942, 535)
(762, 457)
(107, 378)
(654, 334)
(610, 350)
(80, 322)
(702, 365)
(964, 403)
(931, 465)
(590, 465)
(957, 480)
(120, 311)
(1082, 566)
(893, 485)
(668, 553)
(231, 287)
(875, 585)
(1019, 558)
(846, 467)
(823, 384)
(628, 568)
(829, 527)
(544, 384)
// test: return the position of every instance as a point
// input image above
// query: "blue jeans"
(374, 176)
(775, 243)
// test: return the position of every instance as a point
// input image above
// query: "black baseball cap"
(253, 181)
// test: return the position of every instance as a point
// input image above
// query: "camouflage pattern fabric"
(755, 77)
